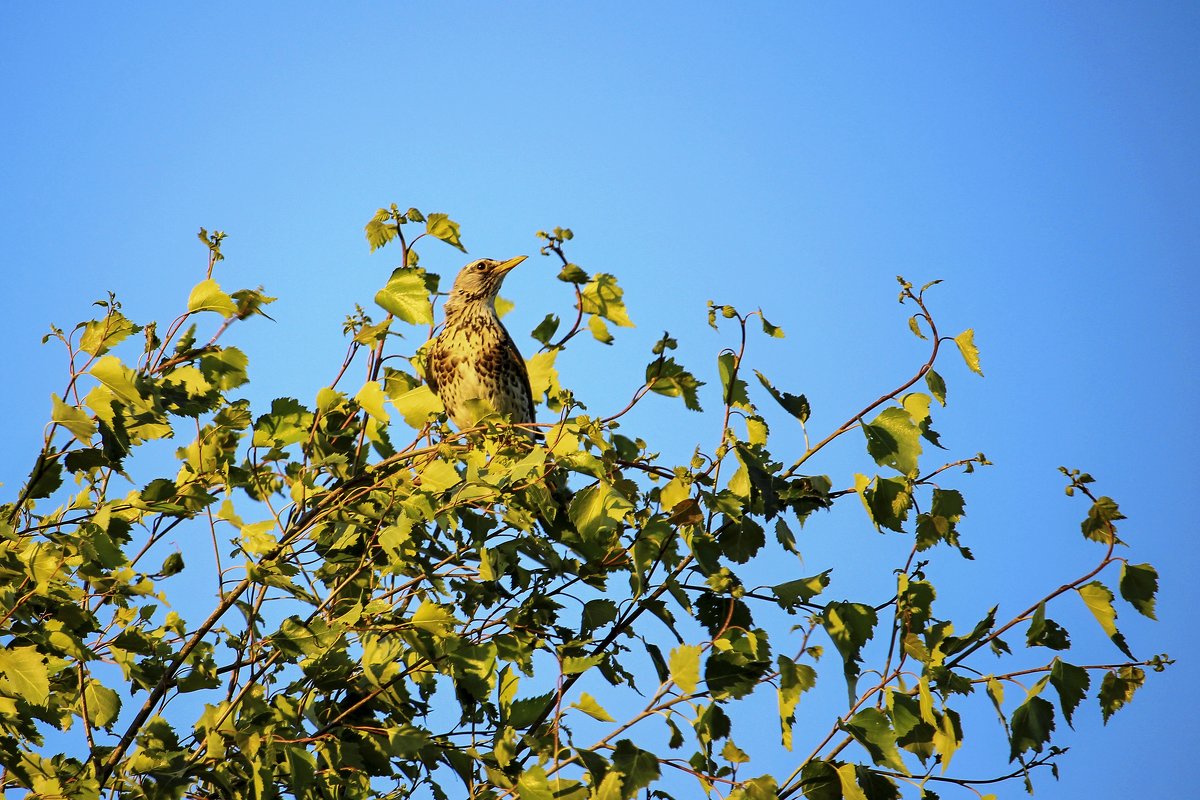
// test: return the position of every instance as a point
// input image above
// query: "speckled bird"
(474, 357)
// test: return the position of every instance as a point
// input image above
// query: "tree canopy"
(405, 609)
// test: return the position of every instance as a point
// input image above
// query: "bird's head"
(480, 281)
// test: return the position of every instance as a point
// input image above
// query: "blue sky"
(1042, 159)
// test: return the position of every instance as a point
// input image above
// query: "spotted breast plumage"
(474, 358)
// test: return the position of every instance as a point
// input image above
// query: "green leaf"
(1031, 726)
(533, 784)
(45, 477)
(602, 297)
(416, 406)
(684, 663)
(444, 228)
(546, 329)
(207, 296)
(820, 780)
(893, 440)
(794, 404)
(119, 379)
(666, 377)
(873, 731)
(733, 389)
(406, 295)
(25, 674)
(438, 476)
(103, 704)
(1098, 599)
(599, 330)
(1139, 584)
(101, 335)
(434, 618)
(1117, 689)
(970, 353)
(379, 231)
(887, 500)
(76, 420)
(1071, 683)
(774, 331)
(1099, 523)
(794, 593)
(794, 680)
(370, 398)
(639, 767)
(847, 778)
(937, 386)
(1045, 632)
(573, 273)
(850, 626)
(588, 705)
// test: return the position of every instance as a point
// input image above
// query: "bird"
(474, 358)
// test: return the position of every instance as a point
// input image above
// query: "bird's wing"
(513, 364)
(436, 368)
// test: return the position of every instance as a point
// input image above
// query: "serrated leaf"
(103, 704)
(666, 377)
(847, 778)
(444, 228)
(406, 295)
(639, 767)
(101, 335)
(1098, 526)
(416, 406)
(1117, 689)
(207, 296)
(599, 330)
(937, 386)
(603, 297)
(1031, 726)
(684, 664)
(794, 404)
(589, 705)
(25, 674)
(874, 732)
(794, 680)
(1139, 584)
(370, 398)
(893, 440)
(438, 476)
(434, 618)
(970, 353)
(850, 626)
(1071, 683)
(1098, 599)
(76, 420)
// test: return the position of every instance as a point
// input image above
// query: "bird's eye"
(480, 266)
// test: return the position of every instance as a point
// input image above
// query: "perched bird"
(474, 358)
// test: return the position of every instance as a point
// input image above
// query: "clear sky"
(1042, 159)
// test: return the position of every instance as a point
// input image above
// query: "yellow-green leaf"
(434, 618)
(602, 297)
(850, 788)
(406, 295)
(25, 674)
(370, 397)
(437, 476)
(207, 296)
(73, 419)
(970, 353)
(416, 405)
(444, 228)
(588, 705)
(684, 663)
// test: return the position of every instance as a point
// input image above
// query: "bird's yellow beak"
(504, 266)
